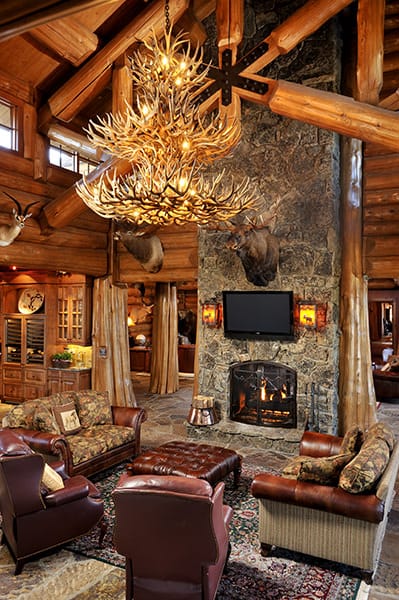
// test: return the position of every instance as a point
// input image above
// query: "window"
(8, 125)
(67, 158)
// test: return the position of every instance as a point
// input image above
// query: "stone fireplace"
(263, 393)
(295, 168)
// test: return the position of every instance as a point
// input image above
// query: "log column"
(357, 402)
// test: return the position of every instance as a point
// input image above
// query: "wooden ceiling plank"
(335, 113)
(75, 93)
(68, 39)
(370, 49)
(17, 17)
(296, 28)
(230, 26)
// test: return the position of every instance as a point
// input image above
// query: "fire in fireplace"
(263, 393)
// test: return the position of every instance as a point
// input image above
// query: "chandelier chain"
(167, 17)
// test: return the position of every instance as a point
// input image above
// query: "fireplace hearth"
(263, 393)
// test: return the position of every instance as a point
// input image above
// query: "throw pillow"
(292, 467)
(43, 420)
(67, 418)
(324, 470)
(352, 440)
(94, 408)
(51, 479)
(382, 431)
(364, 471)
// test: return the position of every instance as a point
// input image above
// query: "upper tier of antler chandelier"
(168, 142)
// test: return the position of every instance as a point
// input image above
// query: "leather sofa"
(325, 520)
(42, 512)
(80, 428)
(173, 532)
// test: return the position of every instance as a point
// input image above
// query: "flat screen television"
(258, 315)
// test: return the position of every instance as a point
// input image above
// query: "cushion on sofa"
(364, 471)
(93, 408)
(352, 440)
(292, 467)
(92, 441)
(382, 431)
(324, 470)
(44, 420)
(67, 418)
(22, 415)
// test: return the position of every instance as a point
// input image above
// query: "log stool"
(188, 459)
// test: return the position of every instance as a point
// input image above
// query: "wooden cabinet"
(23, 370)
(65, 380)
(140, 359)
(186, 354)
(74, 314)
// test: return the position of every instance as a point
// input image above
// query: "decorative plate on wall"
(30, 301)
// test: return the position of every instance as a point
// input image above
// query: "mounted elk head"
(257, 248)
(8, 233)
(142, 244)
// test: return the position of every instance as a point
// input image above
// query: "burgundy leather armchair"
(173, 532)
(33, 519)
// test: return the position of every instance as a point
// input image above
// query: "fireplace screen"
(263, 393)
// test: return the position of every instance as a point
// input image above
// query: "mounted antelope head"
(257, 248)
(142, 244)
(8, 233)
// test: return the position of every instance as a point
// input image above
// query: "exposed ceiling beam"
(17, 17)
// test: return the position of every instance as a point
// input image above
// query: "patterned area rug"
(281, 576)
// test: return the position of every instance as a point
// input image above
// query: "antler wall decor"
(9, 232)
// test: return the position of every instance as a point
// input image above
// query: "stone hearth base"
(226, 433)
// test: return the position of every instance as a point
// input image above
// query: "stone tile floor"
(166, 420)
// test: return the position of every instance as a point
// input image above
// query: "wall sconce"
(212, 314)
(308, 315)
(130, 322)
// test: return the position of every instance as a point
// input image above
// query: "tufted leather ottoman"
(188, 459)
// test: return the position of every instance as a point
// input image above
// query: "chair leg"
(129, 579)
(265, 549)
(103, 525)
(227, 558)
(19, 565)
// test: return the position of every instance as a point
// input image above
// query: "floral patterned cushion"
(292, 467)
(352, 440)
(364, 471)
(44, 420)
(23, 414)
(382, 431)
(324, 470)
(93, 408)
(92, 441)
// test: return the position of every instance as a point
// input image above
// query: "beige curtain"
(111, 360)
(164, 361)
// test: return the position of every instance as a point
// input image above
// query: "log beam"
(17, 17)
(335, 113)
(69, 99)
(370, 49)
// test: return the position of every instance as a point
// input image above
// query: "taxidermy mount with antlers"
(8, 233)
(255, 245)
(142, 244)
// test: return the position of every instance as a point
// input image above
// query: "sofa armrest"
(128, 416)
(51, 444)
(319, 444)
(365, 507)
(76, 487)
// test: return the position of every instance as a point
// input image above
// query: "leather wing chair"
(173, 532)
(34, 519)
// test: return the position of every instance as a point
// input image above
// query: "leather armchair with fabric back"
(34, 518)
(173, 532)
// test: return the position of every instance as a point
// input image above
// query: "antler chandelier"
(167, 142)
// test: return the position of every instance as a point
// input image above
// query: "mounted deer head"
(142, 244)
(8, 233)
